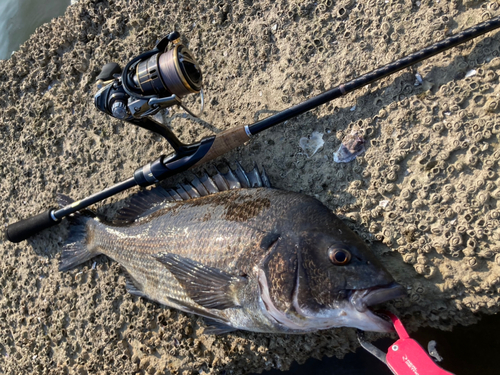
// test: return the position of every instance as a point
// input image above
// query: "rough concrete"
(425, 193)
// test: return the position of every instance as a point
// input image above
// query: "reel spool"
(175, 71)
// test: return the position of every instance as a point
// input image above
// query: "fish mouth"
(363, 299)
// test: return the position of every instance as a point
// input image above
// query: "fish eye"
(339, 256)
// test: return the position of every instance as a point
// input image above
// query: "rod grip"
(23, 229)
(225, 142)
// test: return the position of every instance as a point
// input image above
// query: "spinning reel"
(150, 82)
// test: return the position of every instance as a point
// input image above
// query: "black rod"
(23, 229)
(94, 198)
(376, 75)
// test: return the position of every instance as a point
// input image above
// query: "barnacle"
(455, 240)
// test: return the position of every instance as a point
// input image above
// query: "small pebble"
(418, 80)
(383, 203)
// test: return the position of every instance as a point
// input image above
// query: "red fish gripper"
(405, 356)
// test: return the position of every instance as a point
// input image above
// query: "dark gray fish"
(242, 254)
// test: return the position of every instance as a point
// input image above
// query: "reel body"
(150, 82)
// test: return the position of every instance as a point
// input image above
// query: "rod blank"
(376, 75)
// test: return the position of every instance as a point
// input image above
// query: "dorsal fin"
(234, 179)
(191, 190)
(146, 202)
(242, 176)
(254, 178)
(220, 182)
(231, 180)
(142, 204)
(177, 197)
(199, 187)
(208, 183)
(183, 193)
(265, 179)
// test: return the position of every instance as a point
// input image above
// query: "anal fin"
(217, 328)
(133, 286)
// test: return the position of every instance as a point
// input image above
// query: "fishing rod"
(161, 78)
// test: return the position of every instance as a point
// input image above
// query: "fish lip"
(362, 299)
(378, 322)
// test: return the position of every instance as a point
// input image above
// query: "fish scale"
(258, 258)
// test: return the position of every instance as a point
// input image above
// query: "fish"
(241, 254)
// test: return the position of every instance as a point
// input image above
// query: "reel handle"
(26, 228)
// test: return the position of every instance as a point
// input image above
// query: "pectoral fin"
(207, 286)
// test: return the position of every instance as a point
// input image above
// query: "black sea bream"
(242, 254)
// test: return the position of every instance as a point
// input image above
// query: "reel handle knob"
(173, 36)
(108, 71)
(119, 109)
(163, 44)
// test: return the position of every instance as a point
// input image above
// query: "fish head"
(339, 279)
(326, 277)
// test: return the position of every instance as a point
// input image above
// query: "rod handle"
(224, 142)
(23, 229)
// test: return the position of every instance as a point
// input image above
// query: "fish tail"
(79, 246)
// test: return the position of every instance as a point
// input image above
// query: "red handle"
(398, 326)
(407, 357)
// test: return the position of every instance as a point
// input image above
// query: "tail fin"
(78, 247)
